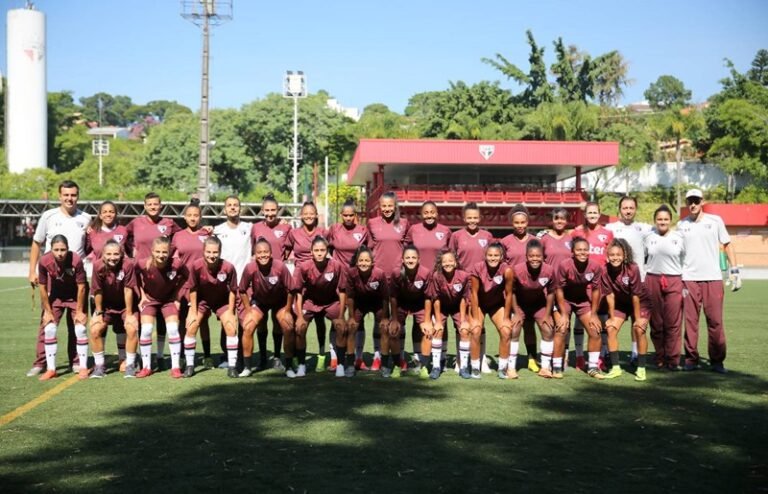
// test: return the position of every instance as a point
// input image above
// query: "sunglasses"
(693, 200)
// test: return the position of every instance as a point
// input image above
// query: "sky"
(376, 51)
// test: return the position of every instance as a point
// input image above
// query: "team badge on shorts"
(440, 235)
(272, 280)
(483, 242)
(625, 280)
(328, 276)
(589, 276)
(374, 285)
(221, 277)
(418, 284)
(118, 238)
(161, 228)
(120, 276)
(171, 274)
(498, 279)
(357, 236)
(457, 287)
(543, 281)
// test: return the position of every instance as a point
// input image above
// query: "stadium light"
(295, 87)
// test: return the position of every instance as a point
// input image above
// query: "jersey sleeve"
(129, 270)
(722, 233)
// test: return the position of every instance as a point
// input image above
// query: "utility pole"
(205, 13)
(295, 87)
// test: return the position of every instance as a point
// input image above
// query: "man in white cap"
(703, 234)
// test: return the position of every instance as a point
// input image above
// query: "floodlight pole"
(295, 184)
(101, 152)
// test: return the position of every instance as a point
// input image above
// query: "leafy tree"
(667, 92)
(160, 109)
(71, 146)
(379, 122)
(62, 115)
(573, 121)
(636, 146)
(608, 75)
(759, 71)
(115, 109)
(573, 72)
(171, 155)
(38, 183)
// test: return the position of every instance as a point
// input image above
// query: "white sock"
(145, 345)
(130, 359)
(51, 346)
(377, 354)
(332, 346)
(81, 339)
(634, 349)
(475, 364)
(161, 345)
(593, 358)
(232, 351)
(120, 340)
(514, 349)
(578, 341)
(190, 342)
(98, 359)
(504, 363)
(557, 363)
(547, 347)
(437, 352)
(463, 354)
(359, 343)
(174, 342)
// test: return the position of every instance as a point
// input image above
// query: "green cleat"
(614, 372)
(320, 363)
(396, 372)
(423, 373)
(640, 374)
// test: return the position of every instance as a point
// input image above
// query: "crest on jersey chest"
(418, 284)
(120, 276)
(440, 235)
(118, 238)
(278, 233)
(272, 280)
(483, 242)
(161, 228)
(328, 276)
(602, 237)
(589, 276)
(568, 245)
(498, 279)
(543, 281)
(357, 236)
(398, 229)
(202, 238)
(457, 287)
(374, 285)
(221, 277)
(625, 280)
(171, 274)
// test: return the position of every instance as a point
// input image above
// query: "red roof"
(735, 215)
(372, 152)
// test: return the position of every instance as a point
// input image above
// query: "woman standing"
(272, 229)
(386, 234)
(62, 288)
(556, 241)
(663, 280)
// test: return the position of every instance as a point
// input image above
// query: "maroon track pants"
(707, 295)
(666, 294)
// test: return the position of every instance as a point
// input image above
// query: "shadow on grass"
(678, 432)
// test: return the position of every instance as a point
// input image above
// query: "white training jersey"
(634, 234)
(664, 253)
(235, 244)
(702, 239)
(56, 222)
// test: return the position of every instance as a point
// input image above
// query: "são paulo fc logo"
(498, 279)
(398, 229)
(171, 274)
(589, 276)
(602, 237)
(328, 276)
(543, 281)
(118, 238)
(483, 242)
(568, 245)
(457, 287)
(418, 284)
(202, 238)
(486, 151)
(272, 280)
(120, 276)
(440, 235)
(221, 277)
(374, 285)
(357, 236)
(161, 228)
(625, 280)
(279, 233)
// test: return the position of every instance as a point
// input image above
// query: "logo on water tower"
(486, 151)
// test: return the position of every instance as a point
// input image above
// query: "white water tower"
(26, 118)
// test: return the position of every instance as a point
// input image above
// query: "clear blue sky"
(375, 51)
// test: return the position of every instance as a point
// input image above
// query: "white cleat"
(301, 371)
(290, 374)
(339, 370)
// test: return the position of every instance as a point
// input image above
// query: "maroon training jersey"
(515, 248)
(469, 249)
(370, 292)
(213, 287)
(112, 283)
(577, 285)
(320, 287)
(275, 235)
(556, 250)
(345, 241)
(429, 241)
(61, 280)
(410, 293)
(299, 241)
(531, 290)
(95, 240)
(268, 289)
(623, 284)
(450, 292)
(491, 292)
(142, 231)
(386, 241)
(188, 246)
(160, 285)
(598, 239)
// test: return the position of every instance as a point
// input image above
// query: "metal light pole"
(295, 86)
(205, 13)
(101, 153)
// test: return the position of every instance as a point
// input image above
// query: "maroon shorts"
(455, 316)
(205, 310)
(402, 315)
(362, 311)
(490, 310)
(580, 308)
(153, 308)
(310, 311)
(625, 311)
(115, 318)
(537, 314)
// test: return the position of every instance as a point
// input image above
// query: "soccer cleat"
(435, 374)
(176, 373)
(290, 373)
(277, 365)
(512, 372)
(614, 372)
(76, 368)
(545, 373)
(246, 372)
(301, 370)
(719, 368)
(640, 374)
(121, 366)
(376, 365)
(320, 363)
(465, 373)
(34, 371)
(602, 365)
(339, 370)
(533, 366)
(502, 374)
(476, 374)
(130, 372)
(224, 364)
(99, 372)
(557, 374)
(232, 372)
(349, 371)
(403, 367)
(83, 374)
(161, 365)
(674, 368)
(596, 373)
(581, 363)
(189, 371)
(456, 368)
(690, 367)
(208, 362)
(397, 372)
(386, 372)
(334, 365)
(145, 372)
(423, 373)
(360, 365)
(49, 374)
(485, 367)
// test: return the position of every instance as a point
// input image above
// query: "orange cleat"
(83, 373)
(145, 372)
(360, 365)
(49, 374)
(376, 366)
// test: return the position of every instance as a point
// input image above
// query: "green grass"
(675, 432)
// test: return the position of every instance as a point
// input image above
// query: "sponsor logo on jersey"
(457, 287)
(589, 276)
(171, 274)
(625, 280)
(486, 151)
(440, 235)
(543, 281)
(328, 276)
(374, 285)
(483, 242)
(278, 233)
(498, 279)
(161, 228)
(272, 280)
(357, 236)
(118, 238)
(221, 277)
(120, 276)
(418, 284)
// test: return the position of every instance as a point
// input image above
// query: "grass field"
(677, 432)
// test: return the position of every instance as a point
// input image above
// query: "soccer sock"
(190, 342)
(604, 339)
(423, 359)
(145, 345)
(232, 351)
(463, 354)
(547, 347)
(514, 349)
(82, 345)
(161, 345)
(376, 346)
(578, 343)
(277, 341)
(120, 340)
(98, 359)
(557, 363)
(641, 361)
(504, 363)
(51, 346)
(332, 347)
(301, 355)
(349, 360)
(396, 361)
(174, 340)
(593, 359)
(634, 349)
(615, 359)
(359, 343)
(482, 347)
(130, 359)
(475, 364)
(206, 348)
(437, 352)
(262, 339)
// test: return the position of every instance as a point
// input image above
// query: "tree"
(62, 115)
(573, 73)
(667, 92)
(636, 146)
(114, 109)
(71, 147)
(159, 109)
(608, 75)
(573, 121)
(379, 122)
(759, 71)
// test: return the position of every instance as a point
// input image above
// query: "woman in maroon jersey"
(272, 228)
(266, 286)
(62, 288)
(212, 289)
(491, 293)
(386, 234)
(407, 294)
(625, 296)
(114, 288)
(556, 241)
(515, 245)
(161, 278)
(534, 296)
(346, 237)
(577, 289)
(447, 296)
(320, 285)
(368, 294)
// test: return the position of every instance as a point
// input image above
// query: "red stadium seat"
(436, 195)
(515, 197)
(553, 197)
(474, 196)
(572, 197)
(401, 194)
(494, 196)
(417, 195)
(454, 196)
(534, 197)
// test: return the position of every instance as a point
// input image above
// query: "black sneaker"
(189, 371)
(232, 372)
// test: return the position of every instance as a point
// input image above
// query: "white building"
(350, 112)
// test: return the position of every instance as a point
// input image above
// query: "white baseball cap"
(694, 193)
